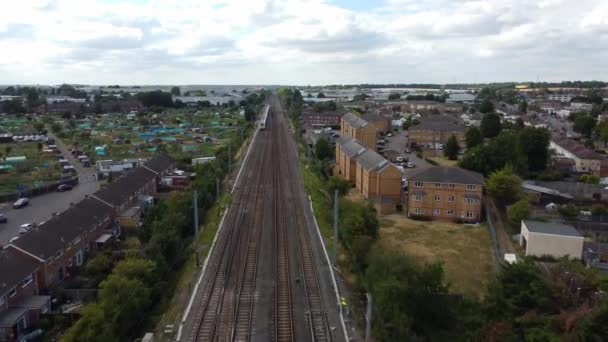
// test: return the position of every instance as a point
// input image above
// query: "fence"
(497, 257)
(47, 187)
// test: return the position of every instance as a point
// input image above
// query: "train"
(264, 119)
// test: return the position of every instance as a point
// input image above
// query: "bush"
(568, 211)
(598, 209)
(518, 212)
(431, 161)
(590, 179)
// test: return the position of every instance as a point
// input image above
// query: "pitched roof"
(119, 191)
(577, 149)
(551, 228)
(371, 160)
(160, 163)
(61, 229)
(440, 174)
(372, 117)
(440, 125)
(14, 267)
(354, 120)
(350, 146)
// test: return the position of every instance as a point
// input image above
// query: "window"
(27, 281)
(438, 185)
(450, 212)
(471, 187)
(436, 211)
(469, 200)
(417, 198)
(418, 184)
(437, 198)
(12, 292)
(70, 263)
(419, 211)
(450, 198)
(59, 253)
(79, 258)
(2, 301)
(451, 186)
(470, 214)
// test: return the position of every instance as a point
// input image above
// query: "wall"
(547, 244)
(458, 206)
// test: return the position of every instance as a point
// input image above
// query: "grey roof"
(14, 267)
(61, 229)
(544, 190)
(160, 163)
(9, 317)
(371, 160)
(372, 117)
(440, 174)
(119, 191)
(551, 228)
(350, 146)
(355, 120)
(438, 125)
(576, 189)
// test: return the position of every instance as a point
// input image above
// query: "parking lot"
(398, 143)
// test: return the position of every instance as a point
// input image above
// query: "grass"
(464, 251)
(444, 161)
(321, 204)
(32, 171)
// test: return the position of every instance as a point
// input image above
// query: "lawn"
(464, 251)
(442, 161)
(38, 167)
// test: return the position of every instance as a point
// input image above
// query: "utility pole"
(229, 164)
(241, 129)
(217, 188)
(309, 168)
(195, 205)
(336, 206)
(368, 318)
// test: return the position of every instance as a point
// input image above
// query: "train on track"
(264, 119)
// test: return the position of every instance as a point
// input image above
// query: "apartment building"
(356, 127)
(347, 152)
(321, 119)
(378, 180)
(20, 303)
(431, 132)
(446, 193)
(381, 123)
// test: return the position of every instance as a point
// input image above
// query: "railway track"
(268, 210)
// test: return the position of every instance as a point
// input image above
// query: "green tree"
(249, 114)
(584, 124)
(394, 96)
(323, 149)
(38, 126)
(534, 145)
(452, 148)
(473, 137)
(320, 95)
(519, 211)
(7, 150)
(91, 327)
(123, 300)
(56, 128)
(486, 106)
(504, 185)
(99, 266)
(490, 125)
(175, 91)
(601, 130)
(137, 268)
(590, 179)
(523, 106)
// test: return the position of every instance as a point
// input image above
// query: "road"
(42, 208)
(397, 143)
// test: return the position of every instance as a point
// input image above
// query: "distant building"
(422, 106)
(433, 132)
(585, 159)
(356, 127)
(321, 119)
(560, 97)
(550, 239)
(446, 193)
(461, 98)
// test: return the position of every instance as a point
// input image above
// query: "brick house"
(20, 304)
(446, 193)
(585, 159)
(347, 152)
(436, 132)
(380, 122)
(356, 127)
(61, 244)
(321, 119)
(378, 180)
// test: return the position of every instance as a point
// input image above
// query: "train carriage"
(264, 119)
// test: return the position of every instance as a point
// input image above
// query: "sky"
(302, 42)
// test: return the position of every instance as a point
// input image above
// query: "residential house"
(380, 122)
(347, 152)
(461, 98)
(446, 193)
(378, 180)
(62, 243)
(423, 106)
(585, 159)
(20, 302)
(356, 127)
(560, 97)
(432, 132)
(321, 119)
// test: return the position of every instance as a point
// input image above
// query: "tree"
(486, 106)
(7, 150)
(56, 128)
(452, 148)
(92, 327)
(590, 179)
(320, 95)
(504, 185)
(323, 149)
(534, 145)
(584, 124)
(523, 106)
(137, 268)
(490, 125)
(601, 131)
(156, 98)
(38, 126)
(249, 114)
(473, 137)
(394, 96)
(175, 91)
(122, 300)
(518, 212)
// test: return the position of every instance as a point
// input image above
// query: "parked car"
(64, 187)
(13, 239)
(408, 150)
(26, 227)
(410, 165)
(400, 159)
(20, 203)
(389, 134)
(3, 218)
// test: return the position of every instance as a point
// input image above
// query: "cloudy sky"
(301, 41)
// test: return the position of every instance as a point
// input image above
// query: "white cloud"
(301, 41)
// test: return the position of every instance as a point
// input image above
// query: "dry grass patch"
(444, 161)
(464, 251)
